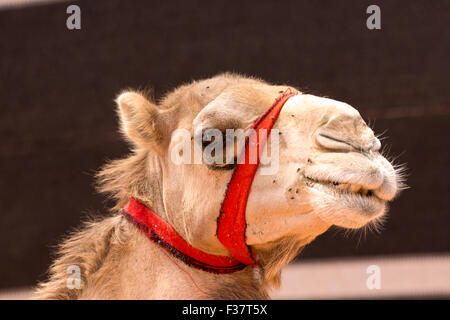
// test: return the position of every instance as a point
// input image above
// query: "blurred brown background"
(57, 88)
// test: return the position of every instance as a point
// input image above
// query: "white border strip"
(403, 276)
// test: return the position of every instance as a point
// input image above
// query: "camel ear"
(140, 120)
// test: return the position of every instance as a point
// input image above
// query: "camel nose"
(376, 144)
(347, 133)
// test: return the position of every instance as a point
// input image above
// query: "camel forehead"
(244, 98)
(219, 96)
(194, 96)
(244, 103)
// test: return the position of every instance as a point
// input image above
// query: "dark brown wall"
(57, 88)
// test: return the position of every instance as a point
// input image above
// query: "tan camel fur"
(330, 173)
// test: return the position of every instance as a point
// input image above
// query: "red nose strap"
(231, 223)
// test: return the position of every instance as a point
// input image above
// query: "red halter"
(231, 223)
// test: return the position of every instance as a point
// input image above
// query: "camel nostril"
(332, 143)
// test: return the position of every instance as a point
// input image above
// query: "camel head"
(328, 167)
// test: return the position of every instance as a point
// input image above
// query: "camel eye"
(217, 148)
(213, 136)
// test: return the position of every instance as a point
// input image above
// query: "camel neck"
(154, 270)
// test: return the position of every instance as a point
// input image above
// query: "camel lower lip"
(368, 205)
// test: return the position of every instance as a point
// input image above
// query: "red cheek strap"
(231, 223)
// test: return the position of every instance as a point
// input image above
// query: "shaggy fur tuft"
(89, 249)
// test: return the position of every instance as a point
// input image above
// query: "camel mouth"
(339, 189)
(353, 205)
